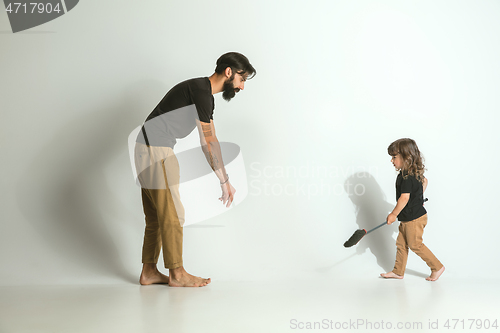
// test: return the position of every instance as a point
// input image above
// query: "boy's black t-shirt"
(415, 206)
(175, 116)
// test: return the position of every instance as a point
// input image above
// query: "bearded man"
(188, 105)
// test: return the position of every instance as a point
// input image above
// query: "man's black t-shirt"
(175, 116)
(415, 206)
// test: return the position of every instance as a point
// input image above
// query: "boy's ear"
(228, 72)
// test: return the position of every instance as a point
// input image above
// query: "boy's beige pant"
(158, 174)
(410, 236)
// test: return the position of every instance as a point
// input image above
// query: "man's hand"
(227, 193)
(391, 218)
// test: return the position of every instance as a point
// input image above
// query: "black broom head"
(355, 238)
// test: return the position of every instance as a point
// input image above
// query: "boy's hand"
(391, 218)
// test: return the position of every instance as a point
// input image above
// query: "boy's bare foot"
(435, 275)
(151, 275)
(180, 278)
(391, 275)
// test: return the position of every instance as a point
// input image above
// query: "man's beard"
(229, 91)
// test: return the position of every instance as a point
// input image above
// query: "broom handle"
(384, 223)
(376, 227)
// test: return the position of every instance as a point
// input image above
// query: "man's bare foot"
(180, 278)
(435, 275)
(151, 275)
(391, 275)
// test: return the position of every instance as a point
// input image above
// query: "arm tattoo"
(212, 159)
(207, 130)
(212, 148)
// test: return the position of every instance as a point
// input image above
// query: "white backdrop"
(336, 83)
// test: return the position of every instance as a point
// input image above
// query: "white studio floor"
(287, 306)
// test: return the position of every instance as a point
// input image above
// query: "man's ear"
(228, 72)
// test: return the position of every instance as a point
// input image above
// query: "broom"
(360, 233)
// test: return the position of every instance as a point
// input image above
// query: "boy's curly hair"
(413, 161)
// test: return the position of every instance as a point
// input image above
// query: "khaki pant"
(410, 236)
(158, 174)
